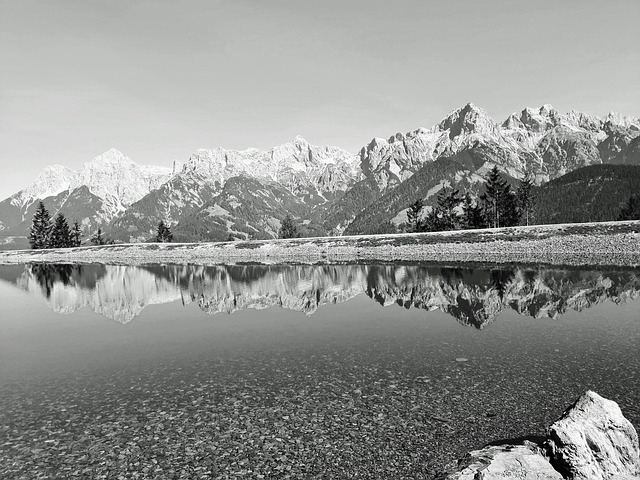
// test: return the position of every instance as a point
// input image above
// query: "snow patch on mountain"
(51, 181)
(112, 176)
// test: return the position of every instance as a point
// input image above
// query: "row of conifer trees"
(498, 206)
(52, 233)
(47, 232)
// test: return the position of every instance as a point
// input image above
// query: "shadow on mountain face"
(473, 296)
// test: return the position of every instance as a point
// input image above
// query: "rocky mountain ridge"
(540, 141)
(324, 185)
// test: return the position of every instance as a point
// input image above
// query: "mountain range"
(474, 297)
(219, 194)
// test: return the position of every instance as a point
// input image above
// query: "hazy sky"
(158, 79)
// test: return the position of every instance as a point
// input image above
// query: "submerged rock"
(592, 440)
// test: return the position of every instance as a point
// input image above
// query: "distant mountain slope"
(594, 193)
(179, 197)
(78, 205)
(630, 155)
(307, 175)
(245, 208)
(424, 184)
(337, 215)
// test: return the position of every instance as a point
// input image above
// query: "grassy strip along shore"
(606, 243)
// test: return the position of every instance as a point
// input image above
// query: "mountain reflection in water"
(474, 296)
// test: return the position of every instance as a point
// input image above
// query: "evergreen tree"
(631, 210)
(509, 214)
(431, 222)
(526, 202)
(443, 216)
(435, 221)
(494, 186)
(76, 235)
(60, 233)
(448, 201)
(472, 216)
(40, 228)
(499, 202)
(413, 216)
(164, 234)
(96, 238)
(288, 228)
(386, 227)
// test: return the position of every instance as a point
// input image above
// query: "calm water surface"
(331, 371)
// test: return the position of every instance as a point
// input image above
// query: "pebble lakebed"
(353, 412)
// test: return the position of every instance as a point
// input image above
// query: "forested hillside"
(591, 194)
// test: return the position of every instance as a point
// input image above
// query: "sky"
(158, 79)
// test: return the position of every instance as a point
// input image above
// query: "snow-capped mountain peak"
(52, 180)
(117, 179)
(111, 179)
(112, 156)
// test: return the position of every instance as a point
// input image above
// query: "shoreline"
(597, 244)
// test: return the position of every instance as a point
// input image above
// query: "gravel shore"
(608, 243)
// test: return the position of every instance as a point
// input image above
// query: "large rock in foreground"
(592, 440)
(506, 461)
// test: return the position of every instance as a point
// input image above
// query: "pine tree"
(508, 205)
(524, 196)
(164, 234)
(96, 238)
(386, 227)
(472, 216)
(60, 233)
(40, 228)
(288, 229)
(631, 210)
(76, 235)
(413, 216)
(499, 202)
(448, 201)
(493, 189)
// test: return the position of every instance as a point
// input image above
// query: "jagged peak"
(112, 155)
(617, 118)
(467, 119)
(469, 108)
(546, 108)
(534, 118)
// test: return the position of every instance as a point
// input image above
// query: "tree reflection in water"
(473, 295)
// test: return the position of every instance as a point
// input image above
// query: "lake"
(299, 371)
